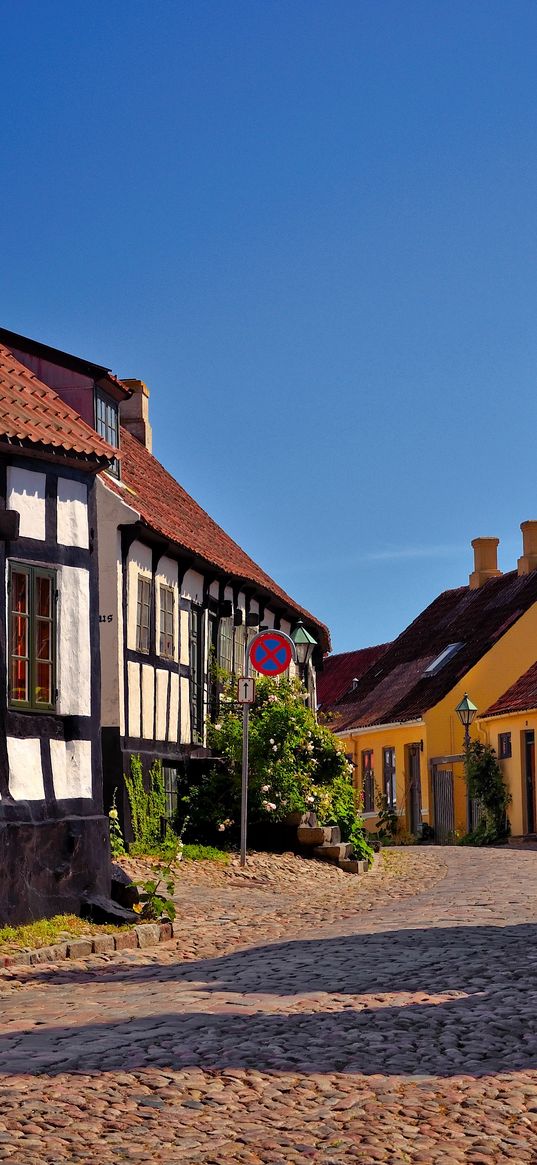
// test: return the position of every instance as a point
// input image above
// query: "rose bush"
(295, 765)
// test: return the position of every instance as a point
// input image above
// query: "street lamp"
(304, 645)
(467, 712)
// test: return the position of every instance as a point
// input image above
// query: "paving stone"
(79, 948)
(295, 1016)
(148, 934)
(103, 943)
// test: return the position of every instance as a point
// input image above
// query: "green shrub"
(485, 782)
(148, 807)
(295, 765)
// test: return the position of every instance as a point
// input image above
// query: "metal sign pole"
(244, 783)
(244, 790)
(274, 644)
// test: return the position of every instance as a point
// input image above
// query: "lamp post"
(467, 712)
(304, 645)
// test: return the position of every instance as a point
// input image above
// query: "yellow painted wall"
(442, 733)
(510, 657)
(378, 739)
(513, 767)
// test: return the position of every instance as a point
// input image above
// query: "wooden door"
(443, 806)
(414, 789)
(529, 773)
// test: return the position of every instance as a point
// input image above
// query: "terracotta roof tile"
(399, 688)
(31, 412)
(520, 697)
(335, 680)
(166, 507)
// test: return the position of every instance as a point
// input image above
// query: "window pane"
(19, 679)
(43, 687)
(43, 590)
(43, 640)
(143, 614)
(20, 591)
(166, 637)
(19, 633)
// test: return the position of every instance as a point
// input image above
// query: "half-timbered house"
(176, 593)
(53, 833)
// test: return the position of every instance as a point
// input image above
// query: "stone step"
(319, 835)
(333, 853)
(353, 866)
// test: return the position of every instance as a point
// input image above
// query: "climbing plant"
(486, 784)
(148, 807)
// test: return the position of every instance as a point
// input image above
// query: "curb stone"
(146, 935)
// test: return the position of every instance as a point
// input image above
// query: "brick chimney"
(528, 562)
(485, 561)
(134, 412)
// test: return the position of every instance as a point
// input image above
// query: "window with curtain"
(143, 610)
(32, 637)
(166, 622)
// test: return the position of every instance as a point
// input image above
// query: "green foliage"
(148, 807)
(45, 931)
(153, 901)
(486, 784)
(387, 819)
(295, 765)
(117, 844)
(205, 853)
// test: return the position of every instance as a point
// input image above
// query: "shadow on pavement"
(490, 1027)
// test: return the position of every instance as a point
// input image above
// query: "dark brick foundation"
(46, 867)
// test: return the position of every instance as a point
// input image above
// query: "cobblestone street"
(403, 1033)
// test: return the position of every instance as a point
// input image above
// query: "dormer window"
(107, 423)
(442, 659)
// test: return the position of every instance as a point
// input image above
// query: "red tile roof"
(520, 697)
(335, 680)
(166, 507)
(398, 689)
(33, 415)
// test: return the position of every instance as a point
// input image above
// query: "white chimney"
(134, 412)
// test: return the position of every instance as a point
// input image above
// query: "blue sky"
(310, 227)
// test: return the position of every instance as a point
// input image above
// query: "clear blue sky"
(310, 226)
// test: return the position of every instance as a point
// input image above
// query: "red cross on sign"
(271, 653)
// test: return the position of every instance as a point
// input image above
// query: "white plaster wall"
(186, 734)
(25, 772)
(139, 561)
(26, 493)
(174, 705)
(192, 586)
(214, 590)
(162, 702)
(228, 593)
(71, 768)
(184, 640)
(167, 573)
(74, 662)
(148, 700)
(268, 618)
(72, 511)
(134, 699)
(112, 511)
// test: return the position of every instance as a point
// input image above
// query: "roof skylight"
(442, 659)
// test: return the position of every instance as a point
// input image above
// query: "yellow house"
(510, 726)
(398, 722)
